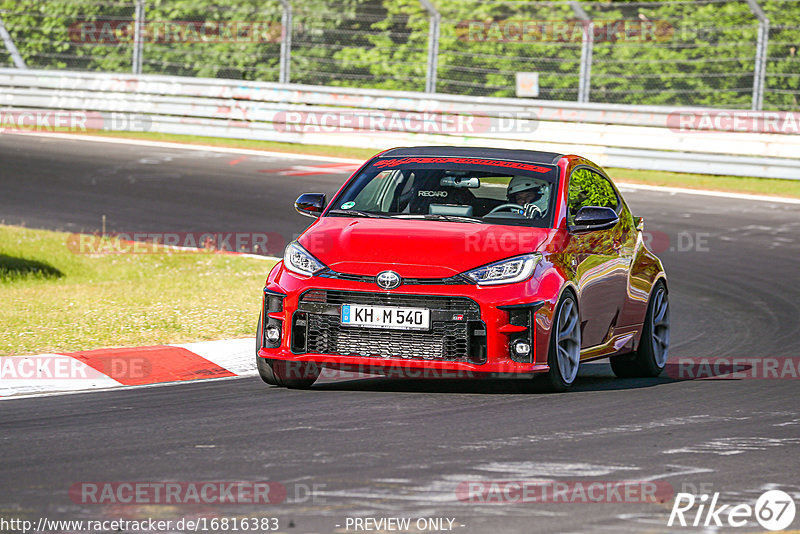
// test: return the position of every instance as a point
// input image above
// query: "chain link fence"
(359, 44)
(702, 53)
(484, 44)
(782, 76)
(718, 53)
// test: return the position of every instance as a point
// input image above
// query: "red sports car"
(455, 261)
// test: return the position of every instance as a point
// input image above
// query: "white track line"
(119, 388)
(290, 155)
(231, 252)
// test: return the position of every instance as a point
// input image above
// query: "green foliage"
(783, 57)
(91, 35)
(702, 53)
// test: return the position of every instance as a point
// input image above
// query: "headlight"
(516, 269)
(300, 261)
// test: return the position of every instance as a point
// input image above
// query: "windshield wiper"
(359, 213)
(453, 218)
(440, 217)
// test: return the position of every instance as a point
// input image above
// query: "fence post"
(587, 45)
(286, 42)
(11, 47)
(760, 68)
(138, 37)
(433, 45)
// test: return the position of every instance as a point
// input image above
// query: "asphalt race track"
(378, 447)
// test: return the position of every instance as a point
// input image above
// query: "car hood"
(413, 248)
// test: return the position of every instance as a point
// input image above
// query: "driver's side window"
(588, 188)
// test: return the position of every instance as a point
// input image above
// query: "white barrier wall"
(690, 140)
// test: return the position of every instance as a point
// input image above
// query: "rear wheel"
(564, 354)
(296, 375)
(651, 356)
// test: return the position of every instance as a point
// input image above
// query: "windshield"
(451, 189)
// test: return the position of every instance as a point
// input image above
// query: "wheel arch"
(571, 288)
(545, 318)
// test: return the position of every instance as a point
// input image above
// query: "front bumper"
(465, 339)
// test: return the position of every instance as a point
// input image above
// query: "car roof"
(528, 156)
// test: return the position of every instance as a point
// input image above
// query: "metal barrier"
(693, 140)
(719, 53)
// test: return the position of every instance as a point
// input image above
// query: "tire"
(293, 375)
(651, 357)
(563, 355)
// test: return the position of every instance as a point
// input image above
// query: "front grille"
(456, 333)
(445, 341)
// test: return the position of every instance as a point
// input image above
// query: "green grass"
(54, 300)
(734, 184)
(760, 186)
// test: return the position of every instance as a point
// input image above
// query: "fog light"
(273, 333)
(522, 347)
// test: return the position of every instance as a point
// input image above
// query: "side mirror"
(310, 204)
(590, 218)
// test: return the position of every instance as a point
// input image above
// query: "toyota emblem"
(388, 280)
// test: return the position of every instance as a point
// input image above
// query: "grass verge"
(271, 146)
(730, 184)
(56, 300)
(733, 184)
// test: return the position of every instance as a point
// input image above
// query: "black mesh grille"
(445, 341)
(448, 340)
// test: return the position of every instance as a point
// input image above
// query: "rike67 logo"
(774, 510)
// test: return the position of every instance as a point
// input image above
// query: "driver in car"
(529, 194)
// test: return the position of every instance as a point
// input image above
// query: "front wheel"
(295, 375)
(651, 357)
(564, 355)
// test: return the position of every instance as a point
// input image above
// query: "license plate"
(386, 317)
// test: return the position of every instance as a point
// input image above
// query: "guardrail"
(693, 140)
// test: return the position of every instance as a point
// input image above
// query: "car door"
(601, 261)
